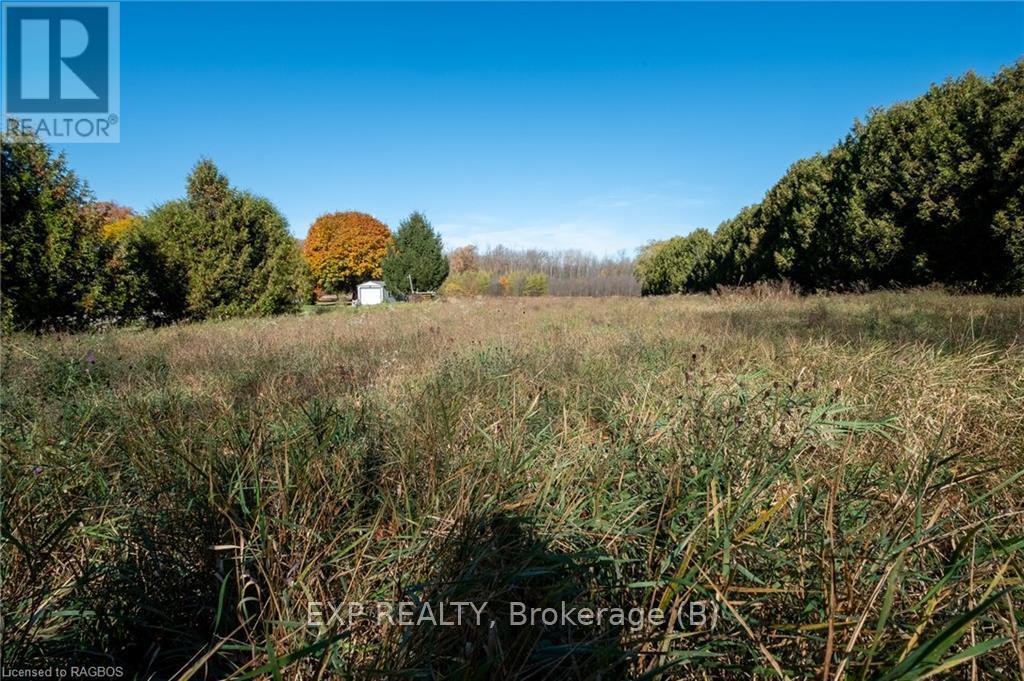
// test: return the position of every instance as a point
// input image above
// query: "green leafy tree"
(467, 283)
(416, 253)
(136, 282)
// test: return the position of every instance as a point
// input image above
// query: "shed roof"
(372, 284)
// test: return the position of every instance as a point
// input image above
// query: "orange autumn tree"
(345, 249)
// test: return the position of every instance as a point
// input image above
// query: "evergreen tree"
(1004, 150)
(47, 254)
(232, 248)
(417, 253)
(677, 265)
(926, 191)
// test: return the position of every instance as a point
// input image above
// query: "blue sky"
(569, 125)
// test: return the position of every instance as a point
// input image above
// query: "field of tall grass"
(840, 476)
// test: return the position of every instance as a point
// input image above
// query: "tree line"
(925, 191)
(70, 262)
(67, 261)
(507, 271)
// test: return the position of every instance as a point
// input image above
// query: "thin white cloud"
(602, 224)
(581, 234)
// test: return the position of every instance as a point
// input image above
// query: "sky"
(597, 126)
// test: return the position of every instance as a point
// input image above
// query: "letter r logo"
(57, 58)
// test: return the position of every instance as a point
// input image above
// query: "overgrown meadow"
(841, 475)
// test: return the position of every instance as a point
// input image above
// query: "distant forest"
(507, 271)
(929, 191)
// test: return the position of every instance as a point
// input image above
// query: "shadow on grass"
(498, 560)
(151, 611)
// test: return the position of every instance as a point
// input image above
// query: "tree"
(47, 256)
(346, 249)
(512, 282)
(569, 272)
(464, 259)
(926, 191)
(536, 284)
(735, 240)
(107, 212)
(231, 248)
(650, 268)
(468, 283)
(1005, 147)
(417, 254)
(136, 282)
(677, 265)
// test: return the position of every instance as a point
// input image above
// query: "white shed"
(372, 293)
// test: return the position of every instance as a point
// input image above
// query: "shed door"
(371, 295)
